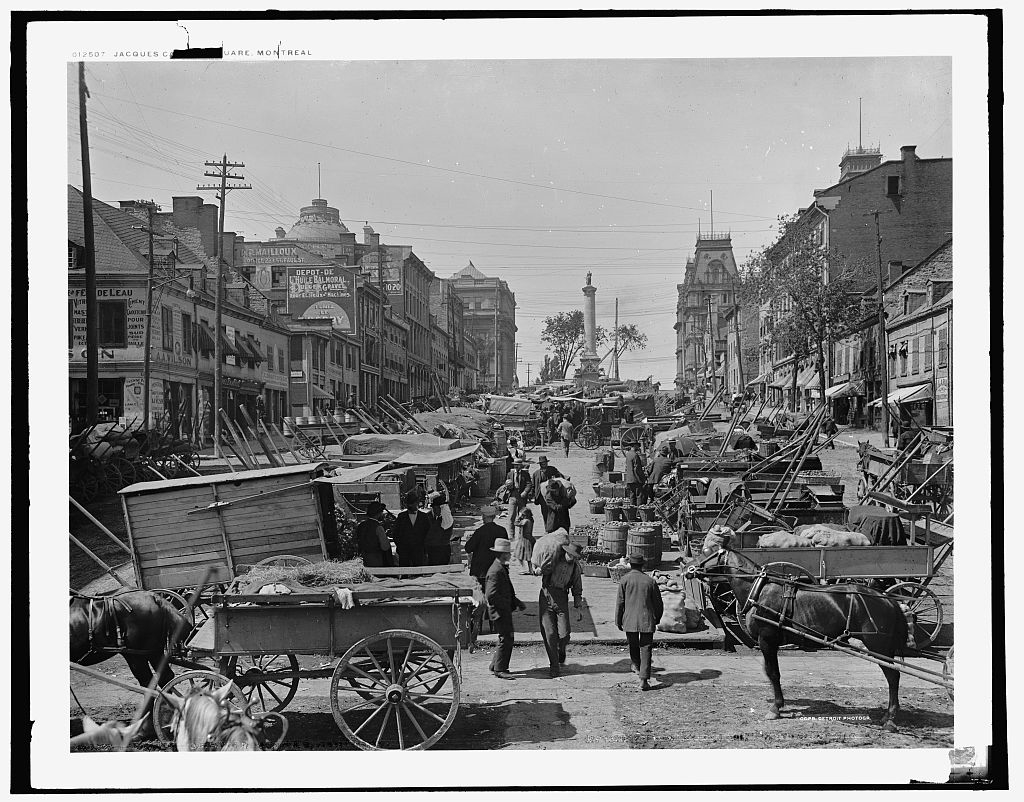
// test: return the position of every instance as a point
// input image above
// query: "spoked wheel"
(84, 487)
(723, 602)
(947, 672)
(127, 471)
(406, 700)
(183, 685)
(109, 477)
(639, 436)
(925, 606)
(255, 677)
(863, 488)
(285, 561)
(178, 602)
(587, 437)
(530, 440)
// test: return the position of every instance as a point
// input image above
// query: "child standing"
(522, 546)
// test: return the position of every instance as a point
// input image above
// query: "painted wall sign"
(323, 293)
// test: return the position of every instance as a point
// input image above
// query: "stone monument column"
(589, 360)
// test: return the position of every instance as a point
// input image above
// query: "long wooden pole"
(97, 560)
(92, 319)
(100, 526)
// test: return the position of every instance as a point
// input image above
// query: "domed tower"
(321, 231)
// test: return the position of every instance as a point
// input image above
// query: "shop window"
(167, 328)
(186, 333)
(113, 324)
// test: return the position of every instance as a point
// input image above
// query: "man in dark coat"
(660, 466)
(501, 601)
(556, 503)
(478, 547)
(410, 532)
(634, 473)
(374, 546)
(638, 609)
(438, 543)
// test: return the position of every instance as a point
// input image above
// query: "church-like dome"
(318, 223)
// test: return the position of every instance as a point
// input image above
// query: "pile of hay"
(332, 573)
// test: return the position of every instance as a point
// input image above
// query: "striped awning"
(808, 378)
(845, 389)
(206, 340)
(907, 395)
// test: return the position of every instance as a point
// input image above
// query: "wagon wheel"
(85, 487)
(723, 602)
(254, 676)
(530, 440)
(109, 477)
(630, 437)
(925, 606)
(190, 458)
(285, 561)
(863, 487)
(127, 471)
(183, 685)
(178, 602)
(310, 450)
(587, 437)
(407, 708)
(947, 672)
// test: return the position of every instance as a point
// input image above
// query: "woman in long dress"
(522, 546)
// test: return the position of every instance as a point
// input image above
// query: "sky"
(537, 171)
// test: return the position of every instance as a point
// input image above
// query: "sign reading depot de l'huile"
(323, 293)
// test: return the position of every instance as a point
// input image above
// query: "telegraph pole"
(497, 285)
(218, 355)
(151, 208)
(616, 352)
(739, 351)
(380, 338)
(92, 318)
(882, 361)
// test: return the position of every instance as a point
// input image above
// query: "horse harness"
(101, 615)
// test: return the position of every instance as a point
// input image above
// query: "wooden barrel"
(597, 505)
(613, 538)
(629, 512)
(612, 512)
(645, 540)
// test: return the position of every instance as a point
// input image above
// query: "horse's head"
(109, 733)
(862, 447)
(199, 717)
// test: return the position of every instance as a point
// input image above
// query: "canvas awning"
(907, 395)
(845, 390)
(255, 346)
(206, 336)
(244, 348)
(808, 378)
(507, 405)
(340, 476)
(759, 379)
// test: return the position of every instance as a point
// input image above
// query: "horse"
(767, 603)
(138, 624)
(205, 721)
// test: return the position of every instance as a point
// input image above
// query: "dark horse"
(832, 612)
(137, 624)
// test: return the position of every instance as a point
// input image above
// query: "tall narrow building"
(708, 290)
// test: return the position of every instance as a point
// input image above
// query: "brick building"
(489, 308)
(182, 321)
(914, 201)
(446, 306)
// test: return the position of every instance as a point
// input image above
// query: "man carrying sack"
(501, 602)
(564, 575)
(638, 609)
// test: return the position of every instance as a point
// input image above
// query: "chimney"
(907, 153)
(370, 239)
(185, 211)
(279, 232)
(895, 270)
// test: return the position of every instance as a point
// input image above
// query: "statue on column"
(589, 274)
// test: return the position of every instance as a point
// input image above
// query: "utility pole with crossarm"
(222, 190)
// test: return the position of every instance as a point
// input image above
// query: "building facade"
(446, 306)
(181, 354)
(706, 295)
(914, 201)
(489, 308)
(741, 348)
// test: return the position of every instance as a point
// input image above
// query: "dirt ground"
(710, 700)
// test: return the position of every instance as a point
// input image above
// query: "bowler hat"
(637, 559)
(542, 460)
(502, 546)
(375, 508)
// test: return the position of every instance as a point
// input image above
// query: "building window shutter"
(929, 351)
(943, 347)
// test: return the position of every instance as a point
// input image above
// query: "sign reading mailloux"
(323, 293)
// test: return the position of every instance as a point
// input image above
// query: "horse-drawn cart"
(397, 683)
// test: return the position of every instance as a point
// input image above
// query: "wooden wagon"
(399, 641)
(180, 527)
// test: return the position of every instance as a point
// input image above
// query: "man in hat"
(555, 627)
(661, 465)
(374, 546)
(478, 547)
(634, 472)
(410, 532)
(638, 609)
(718, 537)
(519, 487)
(501, 602)
(565, 430)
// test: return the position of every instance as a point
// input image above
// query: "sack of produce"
(548, 549)
(673, 619)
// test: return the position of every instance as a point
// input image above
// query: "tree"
(809, 291)
(565, 334)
